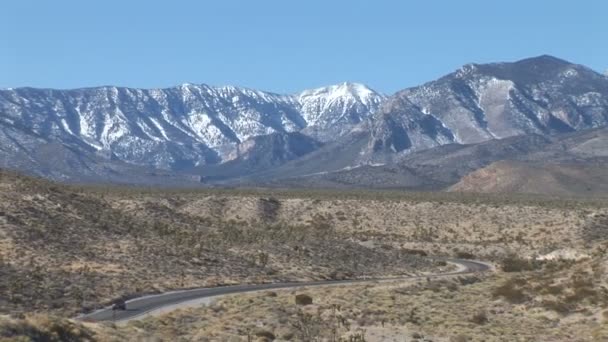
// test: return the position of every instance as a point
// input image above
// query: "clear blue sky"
(285, 45)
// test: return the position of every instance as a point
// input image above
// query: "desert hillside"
(77, 248)
(68, 249)
(549, 178)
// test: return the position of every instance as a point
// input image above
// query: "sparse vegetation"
(72, 251)
(43, 328)
(511, 291)
(480, 318)
(444, 310)
(303, 299)
(514, 263)
(65, 249)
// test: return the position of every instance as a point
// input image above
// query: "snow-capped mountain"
(480, 102)
(333, 111)
(182, 126)
(229, 132)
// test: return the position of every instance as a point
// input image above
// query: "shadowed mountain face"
(565, 164)
(425, 137)
(261, 153)
(34, 154)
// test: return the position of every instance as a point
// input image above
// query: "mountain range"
(340, 135)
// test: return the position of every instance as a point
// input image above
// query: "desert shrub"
(480, 318)
(341, 216)
(414, 252)
(269, 208)
(358, 336)
(557, 265)
(413, 316)
(582, 288)
(436, 286)
(464, 255)
(264, 334)
(470, 280)
(596, 229)
(552, 289)
(459, 338)
(303, 299)
(45, 329)
(417, 336)
(557, 306)
(308, 327)
(511, 291)
(514, 263)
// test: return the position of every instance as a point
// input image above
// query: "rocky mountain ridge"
(179, 127)
(230, 135)
(480, 102)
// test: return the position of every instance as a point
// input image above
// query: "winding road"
(141, 306)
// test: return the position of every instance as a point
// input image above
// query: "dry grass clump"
(303, 299)
(563, 287)
(480, 318)
(43, 328)
(512, 291)
(514, 263)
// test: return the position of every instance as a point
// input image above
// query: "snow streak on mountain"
(231, 132)
(182, 126)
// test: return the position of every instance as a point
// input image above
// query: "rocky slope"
(536, 178)
(570, 163)
(479, 102)
(238, 135)
(173, 128)
(545, 96)
(258, 154)
(333, 111)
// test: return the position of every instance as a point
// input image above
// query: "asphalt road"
(142, 305)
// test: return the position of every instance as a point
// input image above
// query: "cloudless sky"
(285, 45)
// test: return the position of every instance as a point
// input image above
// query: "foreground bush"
(514, 263)
(44, 329)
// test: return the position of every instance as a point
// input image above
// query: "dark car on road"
(119, 305)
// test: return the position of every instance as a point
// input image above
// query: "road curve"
(142, 305)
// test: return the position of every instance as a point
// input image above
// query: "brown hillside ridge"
(527, 177)
(576, 160)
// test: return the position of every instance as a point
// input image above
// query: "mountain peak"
(544, 61)
(534, 70)
(331, 111)
(357, 90)
(181, 126)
